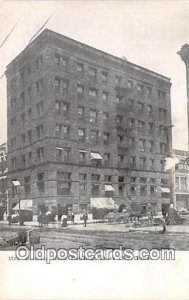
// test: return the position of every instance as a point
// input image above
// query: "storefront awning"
(165, 190)
(102, 203)
(24, 204)
(95, 155)
(109, 188)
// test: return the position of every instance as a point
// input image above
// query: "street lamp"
(17, 183)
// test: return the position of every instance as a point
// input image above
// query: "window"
(81, 134)
(133, 179)
(130, 84)
(80, 67)
(23, 138)
(106, 158)
(177, 185)
(13, 103)
(80, 111)
(150, 128)
(27, 185)
(118, 99)
(39, 85)
(121, 158)
(104, 96)
(131, 105)
(131, 124)
(40, 153)
(93, 116)
(105, 116)
(22, 99)
(142, 179)
(13, 161)
(162, 131)
(143, 190)
(121, 189)
(118, 80)
(141, 126)
(162, 165)
(152, 180)
(142, 161)
(39, 108)
(162, 113)
(95, 177)
(132, 143)
(58, 107)
(61, 61)
(106, 137)
(65, 130)
(121, 179)
(161, 95)
(120, 138)
(62, 154)
(92, 72)
(149, 90)
(183, 183)
(140, 107)
(107, 178)
(29, 114)
(82, 176)
(40, 131)
(133, 190)
(104, 76)
(82, 156)
(119, 119)
(63, 183)
(152, 191)
(139, 87)
(92, 93)
(150, 146)
(13, 143)
(82, 187)
(142, 145)
(23, 119)
(151, 163)
(40, 183)
(149, 110)
(59, 154)
(30, 156)
(163, 148)
(80, 89)
(133, 162)
(23, 160)
(94, 136)
(65, 107)
(95, 190)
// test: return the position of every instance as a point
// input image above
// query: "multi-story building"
(3, 173)
(182, 179)
(84, 125)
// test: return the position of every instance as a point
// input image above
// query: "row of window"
(181, 183)
(64, 184)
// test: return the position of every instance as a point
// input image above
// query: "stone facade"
(182, 180)
(69, 103)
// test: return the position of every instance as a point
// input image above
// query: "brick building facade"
(85, 124)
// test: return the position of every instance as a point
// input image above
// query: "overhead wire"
(48, 19)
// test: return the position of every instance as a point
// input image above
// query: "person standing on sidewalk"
(85, 217)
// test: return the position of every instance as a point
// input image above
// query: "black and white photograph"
(94, 148)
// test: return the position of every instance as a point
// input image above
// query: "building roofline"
(111, 56)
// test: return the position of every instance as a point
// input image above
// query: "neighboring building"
(85, 124)
(3, 173)
(182, 179)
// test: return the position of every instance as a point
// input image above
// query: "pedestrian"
(72, 217)
(85, 217)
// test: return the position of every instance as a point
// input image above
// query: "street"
(104, 236)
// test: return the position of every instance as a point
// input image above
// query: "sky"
(147, 33)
